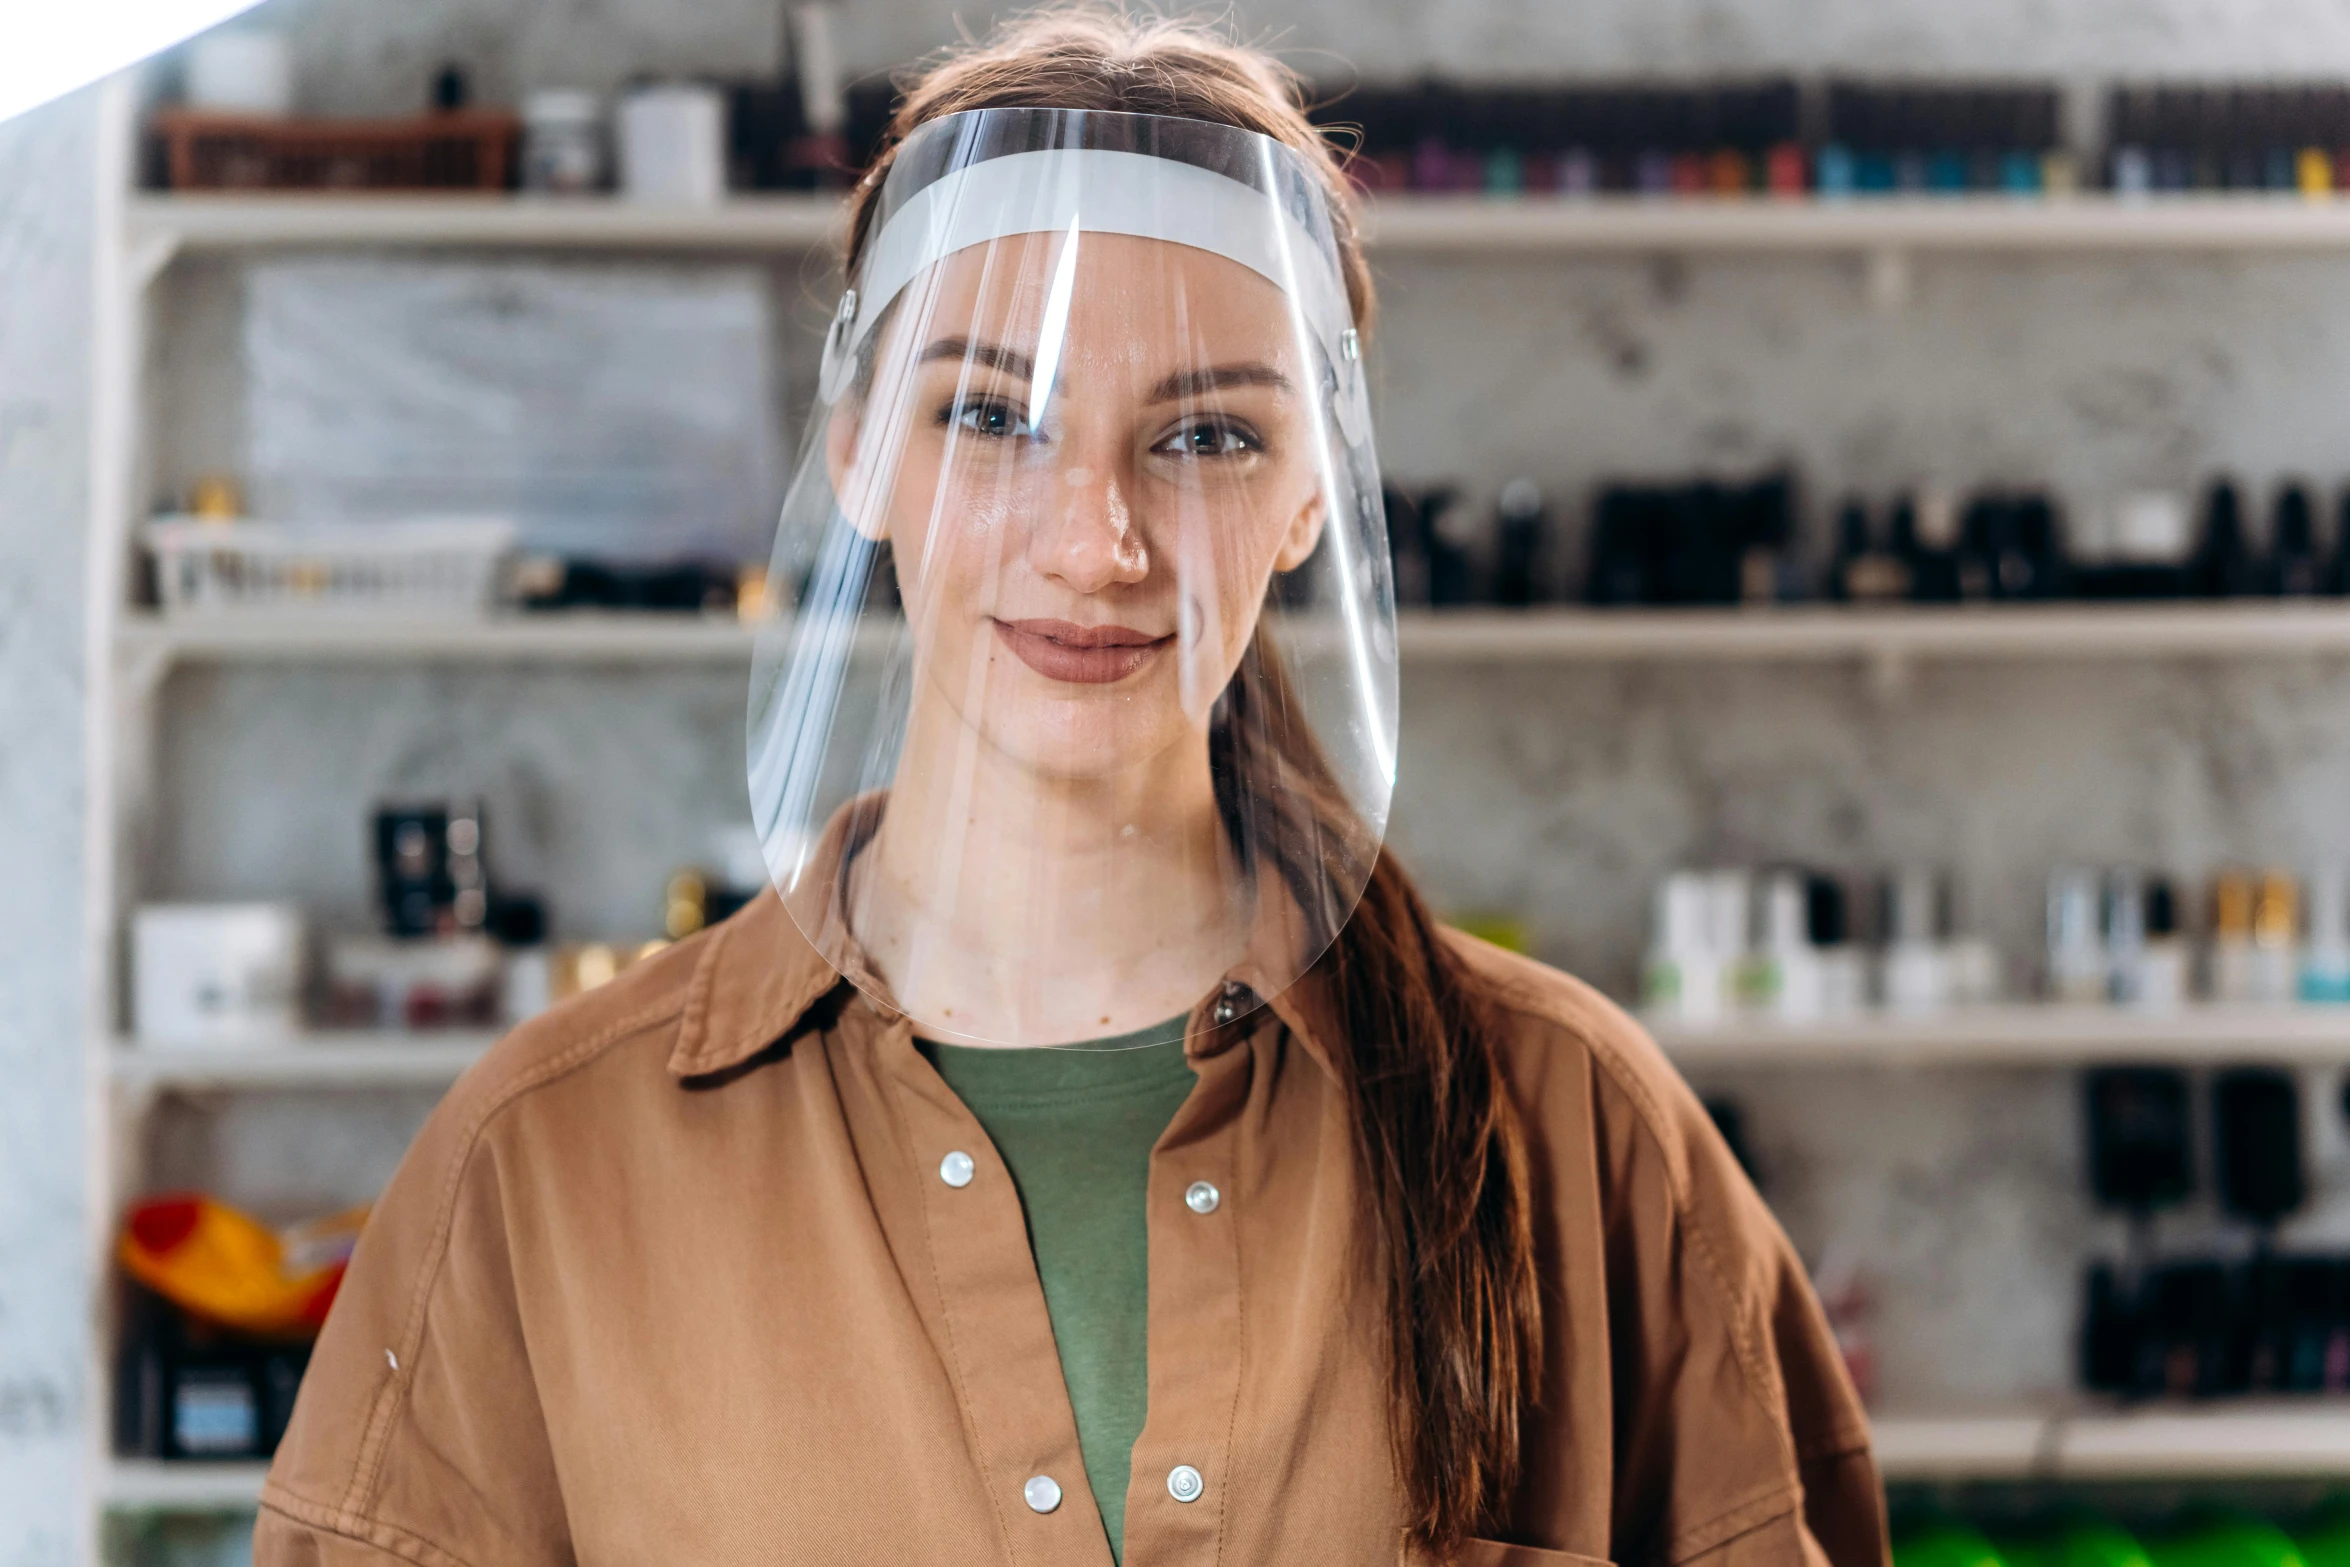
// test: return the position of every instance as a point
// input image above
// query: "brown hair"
(1440, 1150)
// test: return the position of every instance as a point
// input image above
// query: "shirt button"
(1184, 1483)
(1042, 1493)
(1200, 1197)
(956, 1169)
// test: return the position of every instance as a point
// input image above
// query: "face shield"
(1083, 713)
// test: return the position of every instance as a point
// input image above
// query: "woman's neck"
(1005, 906)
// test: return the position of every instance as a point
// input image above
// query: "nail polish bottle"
(1843, 969)
(2337, 579)
(1862, 572)
(2123, 918)
(2224, 566)
(2275, 938)
(2232, 978)
(1914, 972)
(1519, 536)
(2293, 566)
(2325, 957)
(2161, 981)
(2077, 966)
(1835, 172)
(1578, 172)
(1783, 170)
(1683, 979)
(1785, 981)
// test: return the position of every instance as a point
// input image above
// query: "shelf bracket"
(1888, 276)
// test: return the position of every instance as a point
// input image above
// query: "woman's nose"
(1087, 538)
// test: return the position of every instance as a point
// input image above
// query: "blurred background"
(1868, 482)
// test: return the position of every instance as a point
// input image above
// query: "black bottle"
(2338, 569)
(2224, 566)
(1519, 536)
(2294, 570)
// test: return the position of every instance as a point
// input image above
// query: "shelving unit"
(128, 654)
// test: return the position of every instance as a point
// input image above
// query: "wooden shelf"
(1548, 635)
(389, 1059)
(2022, 1034)
(166, 225)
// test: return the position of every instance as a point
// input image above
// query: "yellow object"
(227, 1267)
(687, 904)
(2060, 174)
(216, 498)
(2313, 173)
(750, 593)
(2276, 914)
(2231, 905)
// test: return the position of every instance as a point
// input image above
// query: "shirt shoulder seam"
(373, 1533)
(1766, 1506)
(375, 1442)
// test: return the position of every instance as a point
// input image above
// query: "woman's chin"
(1087, 740)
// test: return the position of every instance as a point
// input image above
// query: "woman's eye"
(1208, 438)
(990, 418)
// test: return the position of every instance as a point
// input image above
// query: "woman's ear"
(1305, 531)
(852, 486)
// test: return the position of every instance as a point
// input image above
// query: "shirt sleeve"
(1739, 1439)
(418, 1434)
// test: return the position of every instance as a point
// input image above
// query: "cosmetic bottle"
(1729, 925)
(1843, 968)
(2337, 579)
(2077, 967)
(1925, 535)
(1863, 573)
(1519, 537)
(1783, 170)
(1835, 173)
(1451, 534)
(2160, 983)
(2123, 922)
(2149, 547)
(1914, 970)
(2325, 957)
(2231, 978)
(1578, 172)
(1785, 977)
(2223, 564)
(1682, 980)
(2293, 566)
(2275, 938)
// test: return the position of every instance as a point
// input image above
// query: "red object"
(1689, 175)
(1784, 173)
(462, 149)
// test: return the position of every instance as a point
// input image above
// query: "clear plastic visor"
(1082, 722)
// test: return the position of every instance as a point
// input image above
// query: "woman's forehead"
(1169, 297)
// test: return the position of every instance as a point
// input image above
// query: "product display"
(671, 142)
(2178, 136)
(1919, 138)
(1724, 946)
(563, 142)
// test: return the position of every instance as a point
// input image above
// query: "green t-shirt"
(1075, 1126)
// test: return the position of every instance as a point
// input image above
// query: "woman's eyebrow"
(1191, 383)
(993, 355)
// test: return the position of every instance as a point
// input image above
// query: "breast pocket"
(1493, 1553)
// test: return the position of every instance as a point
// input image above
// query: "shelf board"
(387, 1059)
(160, 1485)
(1468, 636)
(188, 223)
(2252, 1440)
(2022, 1034)
(1457, 225)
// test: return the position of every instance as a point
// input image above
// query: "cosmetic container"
(2161, 978)
(2275, 938)
(2077, 967)
(2294, 570)
(2325, 956)
(1520, 536)
(2231, 978)
(1914, 968)
(1787, 980)
(1843, 968)
(1683, 979)
(2123, 917)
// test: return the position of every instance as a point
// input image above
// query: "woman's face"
(1088, 466)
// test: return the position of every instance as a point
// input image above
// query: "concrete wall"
(46, 190)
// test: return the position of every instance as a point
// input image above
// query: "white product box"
(216, 973)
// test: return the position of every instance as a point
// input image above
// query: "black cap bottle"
(2293, 567)
(2224, 565)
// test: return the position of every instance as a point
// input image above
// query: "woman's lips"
(1081, 655)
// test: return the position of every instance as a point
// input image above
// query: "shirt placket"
(1176, 1493)
(1007, 1369)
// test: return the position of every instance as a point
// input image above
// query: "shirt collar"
(759, 974)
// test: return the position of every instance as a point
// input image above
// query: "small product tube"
(2125, 935)
(2276, 930)
(1682, 980)
(1788, 979)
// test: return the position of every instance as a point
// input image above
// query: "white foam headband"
(1104, 192)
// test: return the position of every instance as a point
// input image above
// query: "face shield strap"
(1096, 190)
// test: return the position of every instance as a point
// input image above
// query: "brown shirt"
(673, 1276)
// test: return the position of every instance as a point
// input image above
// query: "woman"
(1344, 1239)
